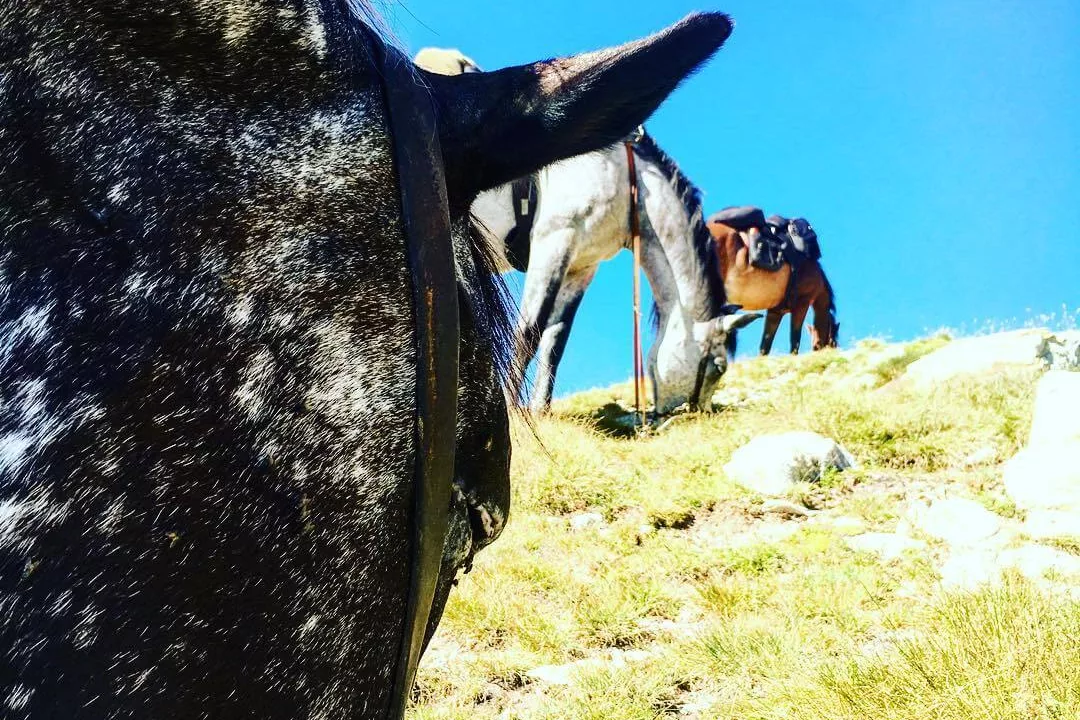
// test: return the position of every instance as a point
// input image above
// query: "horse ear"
(738, 322)
(498, 126)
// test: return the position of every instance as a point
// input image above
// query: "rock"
(583, 521)
(564, 674)
(983, 456)
(1046, 524)
(1057, 409)
(784, 508)
(1035, 561)
(552, 674)
(970, 569)
(888, 545)
(773, 464)
(1045, 477)
(955, 521)
(1063, 351)
(980, 354)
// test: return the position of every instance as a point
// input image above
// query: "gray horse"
(579, 219)
(210, 342)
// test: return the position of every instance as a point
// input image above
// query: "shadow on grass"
(616, 421)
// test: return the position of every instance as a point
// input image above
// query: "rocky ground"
(888, 532)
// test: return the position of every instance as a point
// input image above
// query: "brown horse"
(757, 289)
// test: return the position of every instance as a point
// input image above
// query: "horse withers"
(788, 290)
(215, 338)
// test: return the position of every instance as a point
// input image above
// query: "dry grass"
(739, 615)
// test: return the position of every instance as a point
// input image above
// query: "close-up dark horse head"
(252, 351)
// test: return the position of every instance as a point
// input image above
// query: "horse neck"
(668, 223)
(823, 306)
(662, 282)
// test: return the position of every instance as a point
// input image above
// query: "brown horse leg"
(772, 324)
(798, 317)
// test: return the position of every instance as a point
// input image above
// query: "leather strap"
(426, 219)
(635, 239)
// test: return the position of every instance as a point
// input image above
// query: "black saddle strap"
(431, 261)
(526, 198)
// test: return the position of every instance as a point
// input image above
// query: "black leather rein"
(425, 212)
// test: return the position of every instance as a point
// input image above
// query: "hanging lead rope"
(635, 237)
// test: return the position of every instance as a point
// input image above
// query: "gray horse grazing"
(578, 218)
(211, 343)
(581, 220)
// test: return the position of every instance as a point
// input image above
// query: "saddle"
(768, 248)
(525, 197)
(778, 240)
(803, 239)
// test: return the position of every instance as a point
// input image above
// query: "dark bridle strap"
(431, 261)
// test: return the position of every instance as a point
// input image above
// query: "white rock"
(888, 545)
(583, 521)
(971, 569)
(785, 508)
(1044, 524)
(979, 354)
(1057, 409)
(1035, 561)
(1045, 477)
(773, 464)
(982, 456)
(1063, 351)
(552, 674)
(955, 521)
(564, 674)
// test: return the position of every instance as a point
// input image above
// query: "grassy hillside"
(635, 581)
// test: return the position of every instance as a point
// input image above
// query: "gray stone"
(983, 456)
(1046, 524)
(565, 674)
(773, 464)
(955, 521)
(784, 508)
(1045, 477)
(1063, 351)
(583, 521)
(978, 355)
(970, 569)
(1057, 409)
(1035, 561)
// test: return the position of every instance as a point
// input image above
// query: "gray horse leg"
(772, 324)
(556, 333)
(543, 282)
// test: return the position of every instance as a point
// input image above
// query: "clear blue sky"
(934, 145)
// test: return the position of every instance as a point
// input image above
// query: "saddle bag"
(766, 250)
(803, 238)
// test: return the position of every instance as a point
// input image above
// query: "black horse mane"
(691, 197)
